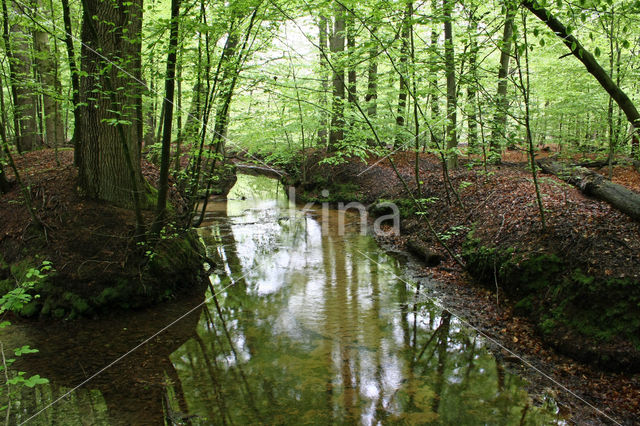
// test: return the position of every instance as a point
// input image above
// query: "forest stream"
(306, 327)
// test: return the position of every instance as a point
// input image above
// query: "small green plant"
(452, 232)
(14, 300)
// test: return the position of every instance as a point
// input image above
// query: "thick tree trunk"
(47, 69)
(498, 133)
(336, 134)
(452, 102)
(597, 186)
(110, 95)
(590, 63)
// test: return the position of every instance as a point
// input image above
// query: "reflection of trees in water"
(132, 391)
(373, 351)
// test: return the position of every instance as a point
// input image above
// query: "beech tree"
(110, 95)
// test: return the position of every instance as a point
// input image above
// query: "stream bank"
(565, 293)
(98, 265)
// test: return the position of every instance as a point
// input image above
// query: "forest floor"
(500, 207)
(91, 244)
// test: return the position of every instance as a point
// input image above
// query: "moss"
(406, 207)
(552, 294)
(78, 304)
(31, 309)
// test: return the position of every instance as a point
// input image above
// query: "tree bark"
(404, 57)
(433, 78)
(110, 95)
(165, 159)
(595, 185)
(24, 100)
(498, 134)
(590, 63)
(452, 101)
(372, 77)
(75, 80)
(4, 183)
(472, 120)
(324, 83)
(336, 133)
(351, 47)
(46, 67)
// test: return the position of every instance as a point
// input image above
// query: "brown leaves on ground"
(601, 239)
(84, 237)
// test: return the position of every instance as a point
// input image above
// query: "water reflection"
(315, 332)
(316, 328)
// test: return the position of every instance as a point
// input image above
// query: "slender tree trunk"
(498, 133)
(452, 139)
(472, 96)
(165, 159)
(351, 47)
(75, 81)
(433, 78)
(109, 166)
(46, 64)
(372, 77)
(24, 101)
(324, 80)
(4, 183)
(404, 75)
(178, 155)
(590, 63)
(336, 134)
(371, 97)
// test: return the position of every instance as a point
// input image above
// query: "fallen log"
(251, 169)
(594, 164)
(426, 254)
(595, 185)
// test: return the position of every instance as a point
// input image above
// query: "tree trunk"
(372, 77)
(109, 167)
(324, 119)
(336, 134)
(75, 80)
(4, 183)
(351, 47)
(594, 184)
(433, 78)
(24, 100)
(498, 133)
(165, 159)
(46, 65)
(472, 120)
(405, 39)
(590, 63)
(452, 102)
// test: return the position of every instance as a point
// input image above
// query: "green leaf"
(597, 51)
(35, 380)
(24, 350)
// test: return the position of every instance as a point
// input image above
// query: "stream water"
(307, 326)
